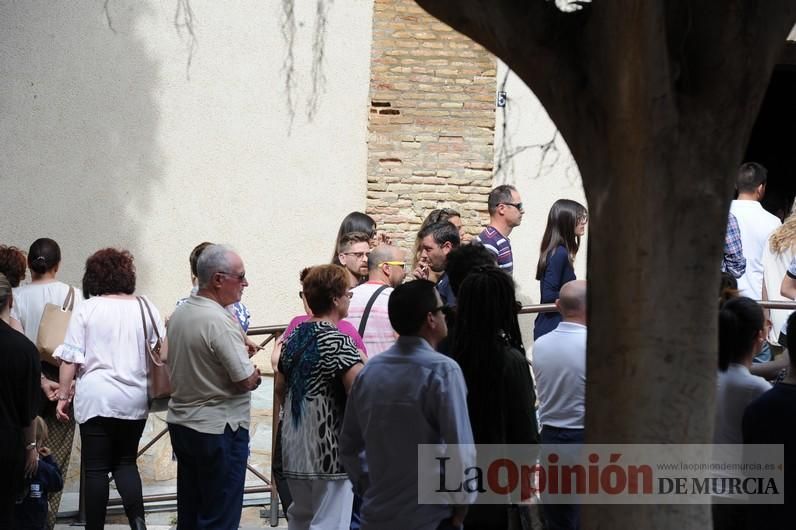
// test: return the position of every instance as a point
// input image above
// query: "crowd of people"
(394, 349)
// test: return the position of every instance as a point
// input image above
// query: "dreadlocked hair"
(486, 324)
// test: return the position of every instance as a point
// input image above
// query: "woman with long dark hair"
(500, 391)
(354, 222)
(566, 223)
(104, 350)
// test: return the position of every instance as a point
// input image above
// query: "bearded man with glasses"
(353, 255)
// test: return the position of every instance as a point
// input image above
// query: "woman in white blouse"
(105, 349)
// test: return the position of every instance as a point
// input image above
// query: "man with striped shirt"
(505, 213)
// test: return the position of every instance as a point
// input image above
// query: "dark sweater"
(30, 513)
(558, 272)
(769, 420)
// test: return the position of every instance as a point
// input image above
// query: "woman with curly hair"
(105, 350)
(13, 264)
(777, 255)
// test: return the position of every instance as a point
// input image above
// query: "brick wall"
(431, 122)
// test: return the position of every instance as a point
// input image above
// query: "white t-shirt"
(756, 225)
(792, 268)
(736, 388)
(559, 367)
(30, 299)
(106, 338)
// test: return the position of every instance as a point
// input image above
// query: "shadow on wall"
(78, 126)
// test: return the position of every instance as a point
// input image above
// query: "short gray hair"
(213, 259)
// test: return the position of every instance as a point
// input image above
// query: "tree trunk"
(656, 100)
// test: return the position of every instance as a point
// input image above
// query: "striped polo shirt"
(498, 245)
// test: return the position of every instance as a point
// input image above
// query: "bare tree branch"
(107, 13)
(184, 21)
(288, 28)
(318, 47)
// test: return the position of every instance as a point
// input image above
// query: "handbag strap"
(153, 355)
(368, 307)
(69, 301)
(151, 317)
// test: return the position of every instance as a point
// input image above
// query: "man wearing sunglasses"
(368, 309)
(505, 214)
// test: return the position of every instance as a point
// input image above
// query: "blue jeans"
(211, 469)
(561, 516)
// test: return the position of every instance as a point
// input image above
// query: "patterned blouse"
(314, 357)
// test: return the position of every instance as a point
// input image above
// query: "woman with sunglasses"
(566, 223)
(500, 392)
(317, 367)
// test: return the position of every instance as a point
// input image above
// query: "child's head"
(41, 432)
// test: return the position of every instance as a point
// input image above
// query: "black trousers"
(110, 445)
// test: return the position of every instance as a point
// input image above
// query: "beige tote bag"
(52, 329)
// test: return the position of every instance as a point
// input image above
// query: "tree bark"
(656, 101)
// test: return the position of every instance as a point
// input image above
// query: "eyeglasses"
(583, 220)
(358, 255)
(517, 205)
(241, 277)
(301, 295)
(404, 265)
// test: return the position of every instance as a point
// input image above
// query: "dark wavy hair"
(109, 271)
(486, 324)
(43, 255)
(13, 264)
(321, 285)
(740, 321)
(560, 230)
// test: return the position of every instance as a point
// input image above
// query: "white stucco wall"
(521, 131)
(107, 142)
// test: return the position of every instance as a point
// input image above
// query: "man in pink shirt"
(368, 310)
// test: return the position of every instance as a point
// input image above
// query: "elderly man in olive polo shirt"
(209, 410)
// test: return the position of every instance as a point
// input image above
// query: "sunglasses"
(240, 277)
(404, 265)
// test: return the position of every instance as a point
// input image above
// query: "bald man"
(559, 366)
(368, 309)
